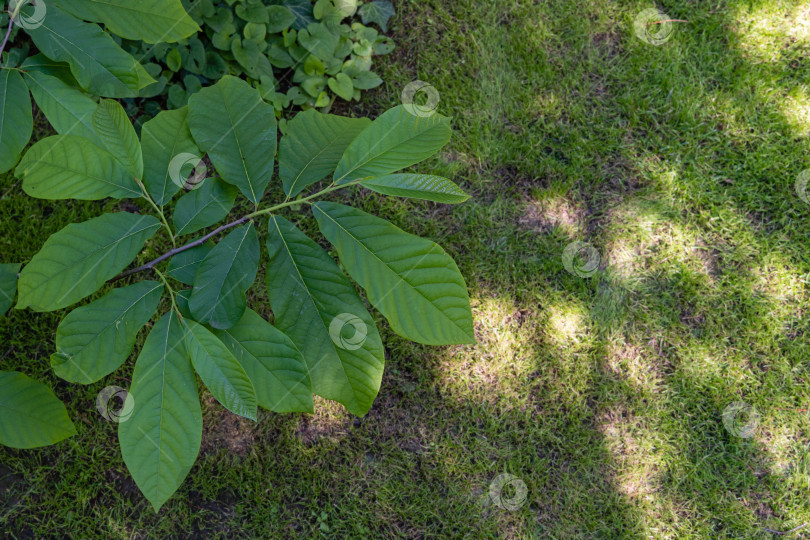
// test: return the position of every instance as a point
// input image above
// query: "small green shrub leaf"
(118, 136)
(395, 140)
(230, 121)
(280, 18)
(411, 280)
(152, 21)
(183, 266)
(16, 120)
(220, 371)
(8, 285)
(94, 340)
(377, 11)
(302, 10)
(72, 167)
(97, 62)
(165, 140)
(314, 304)
(204, 206)
(77, 260)
(224, 276)
(272, 362)
(342, 85)
(30, 414)
(417, 186)
(161, 438)
(312, 147)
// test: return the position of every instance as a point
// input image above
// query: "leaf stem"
(171, 293)
(12, 15)
(158, 209)
(244, 219)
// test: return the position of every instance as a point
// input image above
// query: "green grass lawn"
(603, 394)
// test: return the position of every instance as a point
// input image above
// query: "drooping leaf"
(411, 280)
(272, 362)
(67, 109)
(312, 147)
(16, 120)
(377, 11)
(183, 266)
(118, 135)
(30, 415)
(94, 340)
(78, 259)
(220, 371)
(417, 186)
(395, 140)
(8, 285)
(237, 129)
(316, 306)
(204, 206)
(165, 140)
(152, 21)
(224, 276)
(72, 167)
(161, 438)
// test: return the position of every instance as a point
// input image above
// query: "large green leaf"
(16, 121)
(118, 135)
(312, 147)
(30, 415)
(67, 109)
(310, 296)
(77, 260)
(222, 279)
(183, 266)
(272, 362)
(220, 371)
(165, 139)
(8, 285)
(204, 206)
(395, 140)
(152, 21)
(99, 65)
(230, 121)
(161, 438)
(411, 280)
(72, 167)
(94, 340)
(417, 186)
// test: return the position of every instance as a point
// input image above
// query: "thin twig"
(8, 33)
(794, 529)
